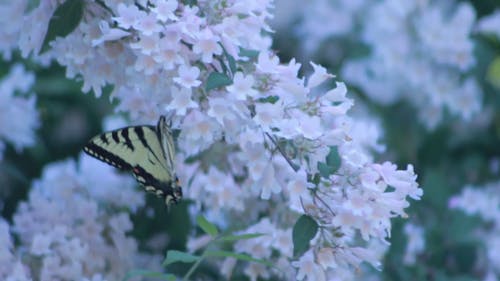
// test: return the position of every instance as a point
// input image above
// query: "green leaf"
(206, 226)
(324, 170)
(178, 256)
(332, 163)
(493, 73)
(333, 158)
(243, 257)
(248, 53)
(32, 4)
(216, 80)
(239, 237)
(64, 20)
(270, 99)
(147, 273)
(232, 62)
(303, 231)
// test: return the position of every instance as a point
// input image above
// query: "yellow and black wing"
(147, 151)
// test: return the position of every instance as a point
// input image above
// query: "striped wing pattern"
(142, 150)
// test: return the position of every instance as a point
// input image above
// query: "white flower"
(109, 34)
(129, 15)
(319, 76)
(308, 268)
(188, 76)
(242, 86)
(416, 242)
(207, 45)
(164, 9)
(148, 25)
(18, 115)
(181, 100)
(41, 245)
(267, 114)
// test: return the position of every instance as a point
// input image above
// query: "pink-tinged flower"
(168, 54)
(207, 45)
(165, 9)
(298, 191)
(190, 22)
(188, 76)
(242, 86)
(148, 25)
(308, 268)
(128, 15)
(319, 76)
(181, 101)
(146, 64)
(198, 132)
(221, 109)
(146, 44)
(283, 242)
(326, 258)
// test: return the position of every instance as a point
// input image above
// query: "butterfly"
(147, 151)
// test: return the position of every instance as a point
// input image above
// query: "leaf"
(324, 170)
(178, 256)
(333, 158)
(239, 237)
(240, 256)
(216, 80)
(269, 99)
(232, 62)
(64, 20)
(248, 53)
(303, 231)
(31, 5)
(147, 273)
(206, 226)
(332, 163)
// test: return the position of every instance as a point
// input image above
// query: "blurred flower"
(68, 231)
(18, 115)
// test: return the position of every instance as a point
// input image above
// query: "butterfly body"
(146, 151)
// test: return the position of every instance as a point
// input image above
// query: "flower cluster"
(420, 51)
(18, 115)
(490, 24)
(261, 146)
(484, 202)
(73, 225)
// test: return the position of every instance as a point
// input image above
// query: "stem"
(294, 167)
(195, 265)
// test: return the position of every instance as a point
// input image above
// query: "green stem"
(195, 265)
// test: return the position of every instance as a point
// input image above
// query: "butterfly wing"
(138, 149)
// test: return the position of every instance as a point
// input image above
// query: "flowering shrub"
(483, 202)
(419, 51)
(72, 227)
(263, 150)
